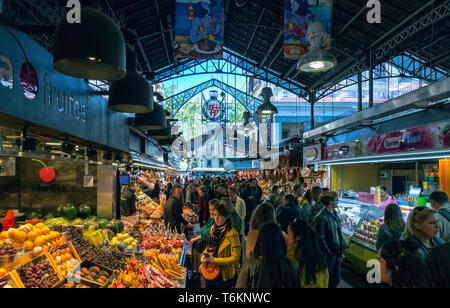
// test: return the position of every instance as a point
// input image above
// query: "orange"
(30, 226)
(32, 236)
(38, 232)
(12, 234)
(4, 235)
(21, 236)
(45, 230)
(1, 242)
(3, 272)
(38, 242)
(28, 245)
(67, 257)
(40, 225)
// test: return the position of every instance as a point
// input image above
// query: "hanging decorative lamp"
(156, 120)
(267, 108)
(317, 60)
(93, 49)
(132, 94)
(163, 134)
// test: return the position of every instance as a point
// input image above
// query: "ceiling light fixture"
(267, 108)
(132, 94)
(93, 49)
(155, 120)
(317, 60)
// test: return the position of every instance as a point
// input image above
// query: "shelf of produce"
(65, 256)
(11, 281)
(31, 274)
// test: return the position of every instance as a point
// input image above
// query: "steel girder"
(381, 52)
(405, 65)
(212, 66)
(174, 103)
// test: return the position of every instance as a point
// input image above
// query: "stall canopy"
(145, 161)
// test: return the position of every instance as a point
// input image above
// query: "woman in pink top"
(386, 198)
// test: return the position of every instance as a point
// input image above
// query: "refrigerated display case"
(360, 223)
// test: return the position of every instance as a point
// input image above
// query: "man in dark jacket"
(173, 212)
(252, 197)
(128, 201)
(327, 226)
(288, 213)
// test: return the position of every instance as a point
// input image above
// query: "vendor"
(128, 200)
(386, 198)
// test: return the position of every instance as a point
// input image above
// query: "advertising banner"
(427, 137)
(199, 28)
(298, 15)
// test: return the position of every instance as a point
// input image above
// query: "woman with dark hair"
(400, 265)
(304, 252)
(168, 191)
(386, 198)
(155, 192)
(438, 266)
(223, 249)
(288, 213)
(262, 214)
(203, 212)
(269, 268)
(393, 226)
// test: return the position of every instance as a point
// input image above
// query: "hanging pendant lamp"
(93, 49)
(156, 120)
(267, 108)
(132, 94)
(317, 60)
(163, 134)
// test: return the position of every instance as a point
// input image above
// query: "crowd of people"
(292, 237)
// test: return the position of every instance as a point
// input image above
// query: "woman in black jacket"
(269, 267)
(288, 213)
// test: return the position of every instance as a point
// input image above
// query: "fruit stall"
(94, 254)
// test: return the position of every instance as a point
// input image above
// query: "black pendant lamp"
(163, 134)
(132, 94)
(156, 120)
(93, 49)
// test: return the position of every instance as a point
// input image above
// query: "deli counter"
(360, 223)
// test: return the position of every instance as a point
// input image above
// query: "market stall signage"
(47, 174)
(312, 154)
(427, 137)
(32, 91)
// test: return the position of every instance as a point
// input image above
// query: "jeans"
(334, 269)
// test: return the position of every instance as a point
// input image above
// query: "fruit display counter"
(360, 223)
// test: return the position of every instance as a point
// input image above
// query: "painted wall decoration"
(427, 137)
(199, 28)
(298, 15)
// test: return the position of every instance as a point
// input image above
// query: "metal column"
(360, 94)
(371, 78)
(312, 101)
